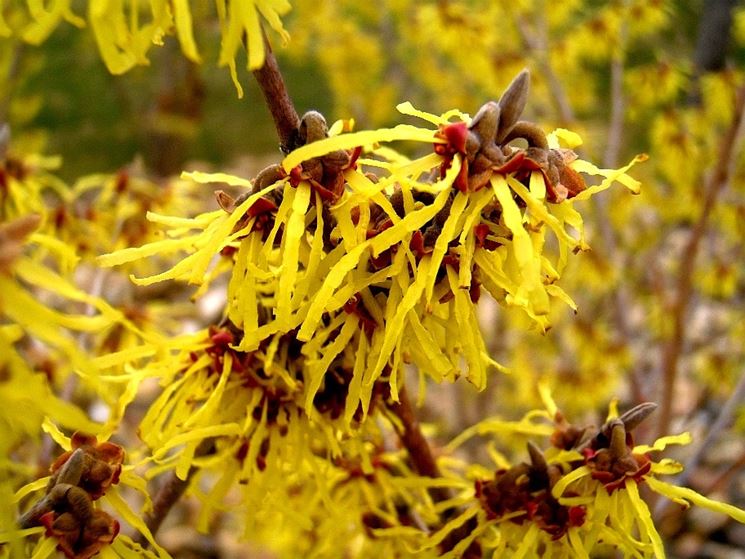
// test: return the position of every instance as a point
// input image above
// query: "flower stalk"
(715, 184)
(272, 84)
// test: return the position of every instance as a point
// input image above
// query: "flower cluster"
(578, 498)
(79, 477)
(348, 262)
(388, 266)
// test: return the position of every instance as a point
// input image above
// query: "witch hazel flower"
(70, 514)
(579, 497)
(393, 252)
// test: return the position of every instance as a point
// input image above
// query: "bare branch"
(272, 85)
(715, 184)
(170, 493)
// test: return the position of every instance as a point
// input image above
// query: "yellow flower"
(392, 265)
(577, 498)
(124, 32)
(69, 514)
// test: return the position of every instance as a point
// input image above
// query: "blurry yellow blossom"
(125, 30)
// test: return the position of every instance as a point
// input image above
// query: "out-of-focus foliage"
(282, 396)
(62, 318)
(126, 30)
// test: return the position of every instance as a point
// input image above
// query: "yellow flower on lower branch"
(578, 498)
(69, 513)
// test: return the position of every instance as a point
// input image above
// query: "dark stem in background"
(620, 298)
(272, 85)
(712, 43)
(423, 462)
(178, 97)
(713, 35)
(170, 492)
(412, 438)
(717, 180)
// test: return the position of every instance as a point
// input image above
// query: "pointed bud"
(512, 103)
(632, 418)
(537, 460)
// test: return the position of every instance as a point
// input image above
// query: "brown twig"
(537, 43)
(412, 438)
(272, 85)
(734, 469)
(423, 461)
(717, 180)
(171, 491)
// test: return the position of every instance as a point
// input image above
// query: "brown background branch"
(717, 180)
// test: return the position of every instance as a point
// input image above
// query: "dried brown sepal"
(537, 459)
(79, 477)
(567, 436)
(484, 145)
(526, 489)
(225, 201)
(78, 539)
(95, 465)
(610, 453)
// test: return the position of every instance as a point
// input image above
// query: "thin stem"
(272, 85)
(538, 43)
(620, 298)
(715, 184)
(412, 438)
(170, 493)
(424, 463)
(724, 478)
(617, 107)
(11, 79)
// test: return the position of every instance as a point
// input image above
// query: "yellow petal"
(687, 494)
(645, 518)
(355, 139)
(558, 490)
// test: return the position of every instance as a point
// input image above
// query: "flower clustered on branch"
(578, 498)
(347, 262)
(392, 263)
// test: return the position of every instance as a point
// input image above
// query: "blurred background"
(661, 295)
